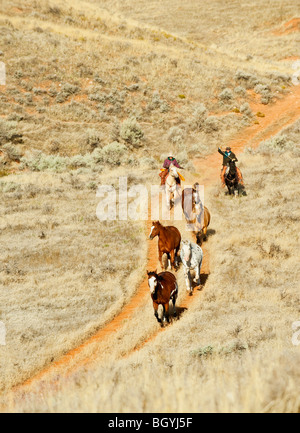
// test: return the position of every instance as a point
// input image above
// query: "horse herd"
(163, 286)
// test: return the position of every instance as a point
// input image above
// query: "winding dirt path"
(277, 116)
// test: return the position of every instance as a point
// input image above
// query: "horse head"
(197, 203)
(152, 281)
(173, 171)
(154, 229)
(232, 166)
(186, 248)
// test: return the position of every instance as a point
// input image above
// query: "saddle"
(238, 174)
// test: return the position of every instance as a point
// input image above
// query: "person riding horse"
(165, 170)
(229, 156)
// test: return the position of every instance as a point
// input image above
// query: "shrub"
(41, 162)
(226, 95)
(70, 89)
(158, 103)
(52, 91)
(265, 91)
(78, 161)
(245, 109)
(61, 97)
(148, 162)
(115, 130)
(199, 115)
(182, 157)
(278, 144)
(112, 153)
(93, 138)
(176, 135)
(131, 132)
(67, 89)
(248, 80)
(8, 132)
(240, 90)
(12, 152)
(211, 124)
(199, 149)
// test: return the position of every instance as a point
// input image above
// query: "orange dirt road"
(277, 116)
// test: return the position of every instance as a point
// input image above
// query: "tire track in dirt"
(277, 117)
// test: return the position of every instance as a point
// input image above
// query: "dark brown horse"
(233, 179)
(196, 215)
(168, 241)
(163, 289)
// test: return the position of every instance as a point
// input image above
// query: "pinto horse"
(172, 186)
(191, 257)
(163, 289)
(196, 215)
(169, 239)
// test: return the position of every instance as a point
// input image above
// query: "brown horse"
(168, 242)
(196, 215)
(163, 289)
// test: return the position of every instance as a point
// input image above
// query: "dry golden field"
(100, 89)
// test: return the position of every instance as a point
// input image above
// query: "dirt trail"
(278, 116)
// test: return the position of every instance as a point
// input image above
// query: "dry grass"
(63, 272)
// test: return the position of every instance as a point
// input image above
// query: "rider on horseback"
(165, 170)
(229, 156)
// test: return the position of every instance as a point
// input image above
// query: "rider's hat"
(228, 148)
(170, 153)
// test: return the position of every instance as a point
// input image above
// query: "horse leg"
(197, 275)
(172, 253)
(155, 306)
(166, 312)
(198, 237)
(177, 256)
(172, 199)
(168, 198)
(160, 254)
(204, 231)
(174, 297)
(169, 262)
(174, 307)
(187, 277)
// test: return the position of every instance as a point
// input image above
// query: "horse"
(169, 238)
(172, 186)
(163, 289)
(233, 179)
(196, 215)
(191, 256)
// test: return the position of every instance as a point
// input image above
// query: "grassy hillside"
(80, 77)
(63, 273)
